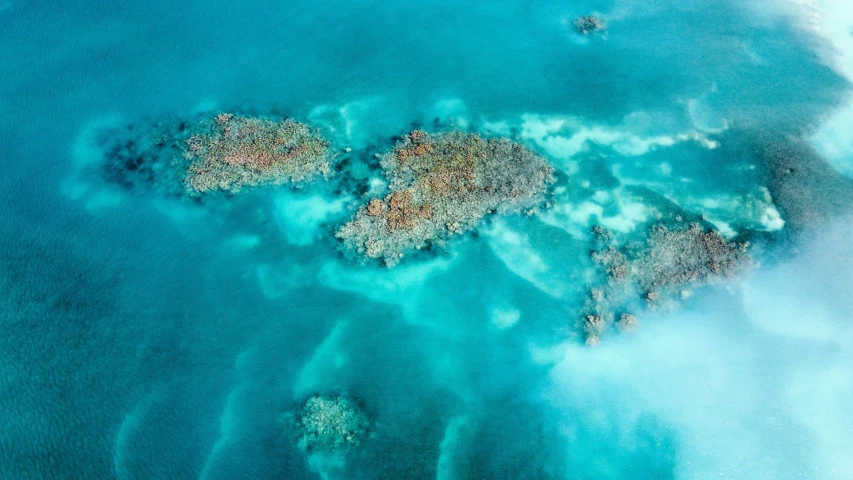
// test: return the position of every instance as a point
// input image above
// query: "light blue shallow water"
(145, 337)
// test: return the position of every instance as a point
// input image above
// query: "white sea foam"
(754, 210)
(577, 218)
(562, 137)
(832, 19)
(755, 387)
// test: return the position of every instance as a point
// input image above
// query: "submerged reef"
(145, 156)
(588, 25)
(673, 258)
(807, 189)
(442, 185)
(327, 423)
(659, 270)
(226, 153)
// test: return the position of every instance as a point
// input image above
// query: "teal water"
(148, 337)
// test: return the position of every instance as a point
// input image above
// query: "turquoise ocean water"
(148, 337)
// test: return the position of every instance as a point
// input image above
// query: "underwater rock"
(330, 423)
(226, 153)
(627, 322)
(588, 25)
(442, 185)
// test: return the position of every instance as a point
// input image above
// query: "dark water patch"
(807, 189)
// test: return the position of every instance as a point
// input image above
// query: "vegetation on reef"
(225, 153)
(233, 152)
(659, 270)
(326, 423)
(441, 185)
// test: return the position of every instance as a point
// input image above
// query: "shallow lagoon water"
(153, 337)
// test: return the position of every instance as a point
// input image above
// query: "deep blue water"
(144, 337)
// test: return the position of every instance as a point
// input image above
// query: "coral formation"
(330, 423)
(442, 185)
(226, 153)
(232, 152)
(678, 257)
(588, 25)
(661, 269)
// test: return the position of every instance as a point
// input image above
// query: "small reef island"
(328, 423)
(660, 270)
(234, 152)
(442, 185)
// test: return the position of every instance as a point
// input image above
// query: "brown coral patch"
(403, 213)
(376, 208)
(442, 185)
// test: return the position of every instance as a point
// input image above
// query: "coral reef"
(588, 25)
(232, 152)
(659, 271)
(330, 423)
(226, 153)
(442, 185)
